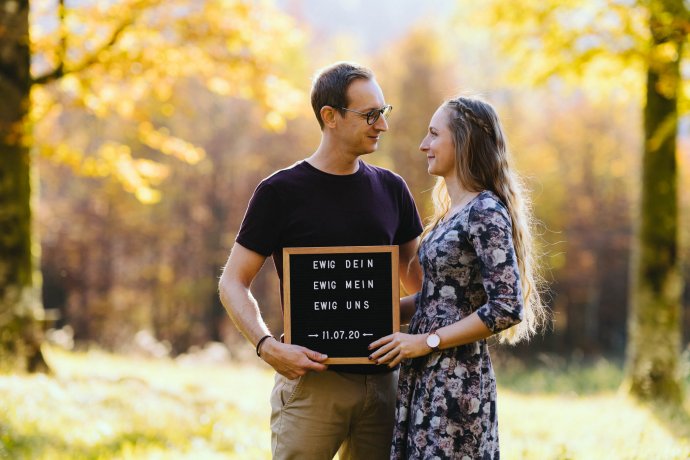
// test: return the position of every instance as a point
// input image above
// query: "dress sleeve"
(261, 227)
(491, 235)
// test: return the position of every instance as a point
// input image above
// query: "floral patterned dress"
(446, 404)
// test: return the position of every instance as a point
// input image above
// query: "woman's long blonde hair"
(483, 163)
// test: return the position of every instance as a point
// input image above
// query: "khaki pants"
(322, 413)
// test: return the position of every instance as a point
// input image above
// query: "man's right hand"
(292, 361)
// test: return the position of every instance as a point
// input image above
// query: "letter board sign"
(337, 300)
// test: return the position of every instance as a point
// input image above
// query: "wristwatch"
(433, 340)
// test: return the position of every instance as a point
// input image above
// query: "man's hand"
(292, 361)
(398, 346)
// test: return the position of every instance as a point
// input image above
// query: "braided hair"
(469, 115)
(483, 163)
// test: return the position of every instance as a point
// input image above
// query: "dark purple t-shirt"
(301, 206)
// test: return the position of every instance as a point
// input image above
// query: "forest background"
(134, 132)
(141, 249)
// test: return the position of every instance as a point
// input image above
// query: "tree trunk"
(654, 340)
(20, 305)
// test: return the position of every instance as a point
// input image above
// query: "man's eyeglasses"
(372, 115)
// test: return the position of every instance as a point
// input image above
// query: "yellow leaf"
(147, 195)
(274, 121)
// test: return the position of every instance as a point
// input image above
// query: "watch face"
(433, 340)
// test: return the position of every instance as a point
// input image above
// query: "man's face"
(352, 128)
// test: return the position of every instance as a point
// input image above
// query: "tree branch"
(62, 50)
(61, 71)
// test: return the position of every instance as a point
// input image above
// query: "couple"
(472, 275)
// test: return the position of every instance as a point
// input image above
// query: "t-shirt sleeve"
(261, 227)
(410, 226)
(490, 232)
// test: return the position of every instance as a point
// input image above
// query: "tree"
(105, 59)
(610, 46)
(20, 307)
(656, 297)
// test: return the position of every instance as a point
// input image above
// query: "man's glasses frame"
(372, 116)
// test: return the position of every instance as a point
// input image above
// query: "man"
(330, 199)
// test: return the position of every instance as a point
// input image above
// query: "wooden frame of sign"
(349, 296)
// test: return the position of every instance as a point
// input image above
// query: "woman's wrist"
(425, 346)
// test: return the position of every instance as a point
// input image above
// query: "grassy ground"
(102, 406)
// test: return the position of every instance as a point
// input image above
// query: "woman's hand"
(398, 346)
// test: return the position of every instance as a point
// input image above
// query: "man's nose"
(381, 124)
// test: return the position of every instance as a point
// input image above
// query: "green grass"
(103, 406)
(551, 374)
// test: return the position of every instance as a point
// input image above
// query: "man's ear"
(328, 116)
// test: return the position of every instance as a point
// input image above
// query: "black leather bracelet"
(258, 344)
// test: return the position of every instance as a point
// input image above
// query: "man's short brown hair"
(331, 84)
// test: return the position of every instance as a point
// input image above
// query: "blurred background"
(147, 159)
(150, 123)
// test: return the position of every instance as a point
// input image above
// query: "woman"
(479, 280)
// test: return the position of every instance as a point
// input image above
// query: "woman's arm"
(398, 346)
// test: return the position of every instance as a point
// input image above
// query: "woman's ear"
(328, 116)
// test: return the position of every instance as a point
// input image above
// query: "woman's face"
(439, 146)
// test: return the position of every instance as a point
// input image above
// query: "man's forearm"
(409, 269)
(407, 308)
(412, 277)
(244, 311)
